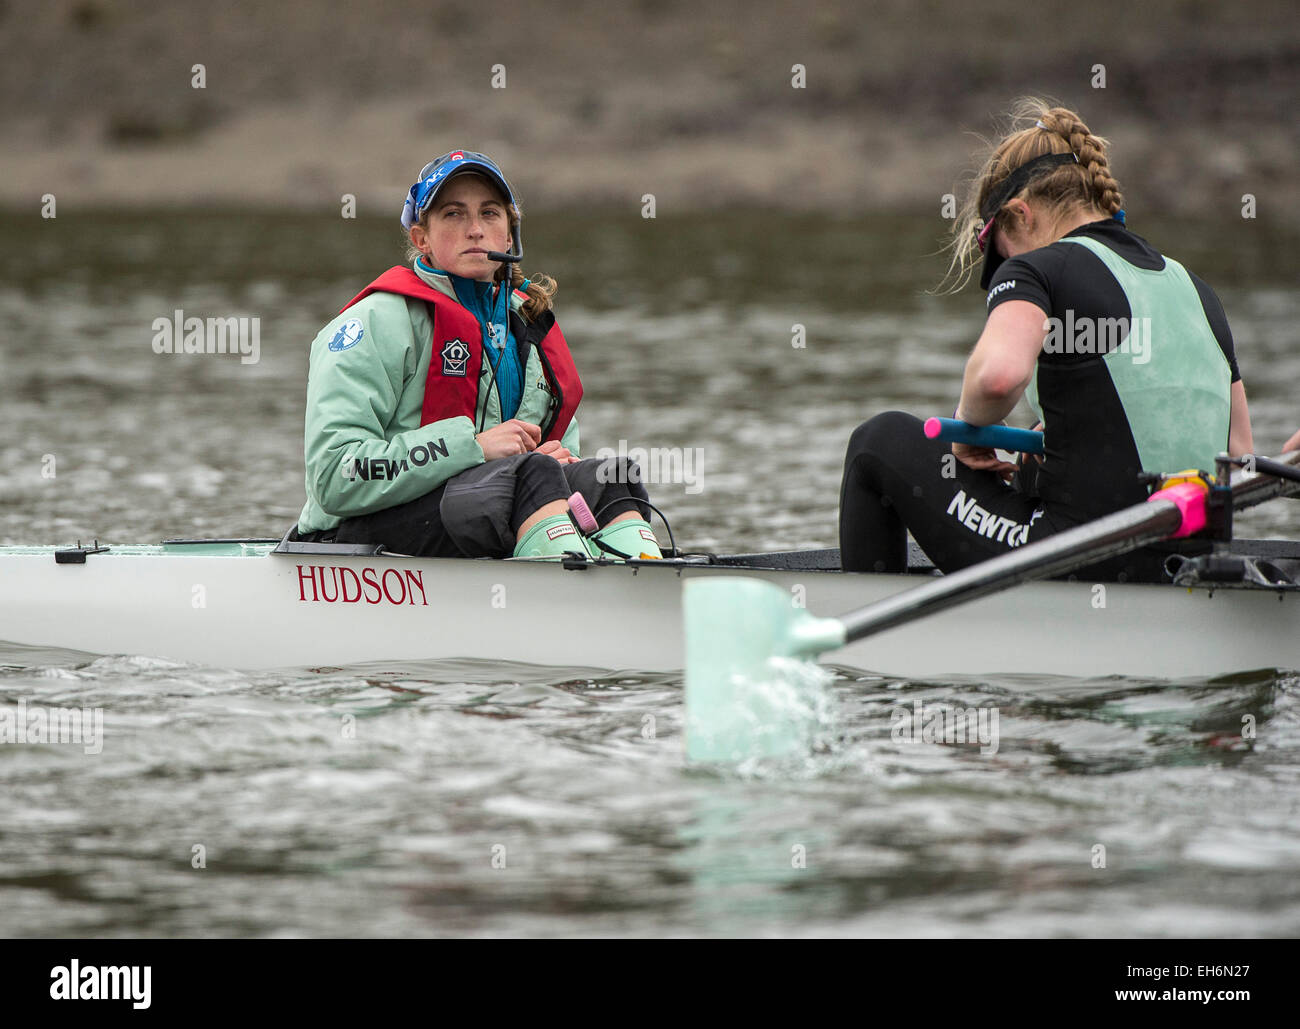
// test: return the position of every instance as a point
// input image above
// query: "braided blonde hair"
(1036, 128)
(541, 289)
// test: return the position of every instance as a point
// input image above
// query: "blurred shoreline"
(303, 104)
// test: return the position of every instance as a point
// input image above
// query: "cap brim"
(474, 167)
(410, 215)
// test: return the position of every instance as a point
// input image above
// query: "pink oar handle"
(582, 514)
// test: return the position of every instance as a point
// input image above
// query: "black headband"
(1015, 182)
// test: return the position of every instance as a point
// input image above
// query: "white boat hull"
(275, 610)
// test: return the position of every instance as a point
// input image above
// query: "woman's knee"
(612, 477)
(881, 434)
(538, 471)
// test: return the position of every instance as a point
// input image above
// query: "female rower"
(441, 400)
(1124, 356)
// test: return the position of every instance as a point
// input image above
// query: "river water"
(487, 799)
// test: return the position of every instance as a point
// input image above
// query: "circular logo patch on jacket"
(349, 335)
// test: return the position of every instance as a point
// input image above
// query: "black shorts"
(897, 480)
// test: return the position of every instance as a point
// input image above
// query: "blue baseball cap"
(436, 174)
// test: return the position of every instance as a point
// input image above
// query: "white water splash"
(784, 714)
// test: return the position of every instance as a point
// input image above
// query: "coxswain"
(441, 401)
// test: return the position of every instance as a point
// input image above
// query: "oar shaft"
(1282, 469)
(1274, 477)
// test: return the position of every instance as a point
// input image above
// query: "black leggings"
(478, 512)
(896, 480)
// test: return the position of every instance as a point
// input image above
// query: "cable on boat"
(622, 500)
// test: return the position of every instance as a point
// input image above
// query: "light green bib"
(1169, 372)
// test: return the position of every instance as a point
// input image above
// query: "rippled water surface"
(488, 799)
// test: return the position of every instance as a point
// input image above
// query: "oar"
(1000, 437)
(735, 626)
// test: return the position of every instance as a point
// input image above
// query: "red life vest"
(456, 357)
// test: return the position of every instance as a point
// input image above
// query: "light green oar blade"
(734, 627)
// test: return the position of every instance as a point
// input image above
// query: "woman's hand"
(1036, 457)
(508, 439)
(558, 451)
(984, 459)
(1293, 443)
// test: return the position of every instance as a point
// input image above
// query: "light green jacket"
(364, 447)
